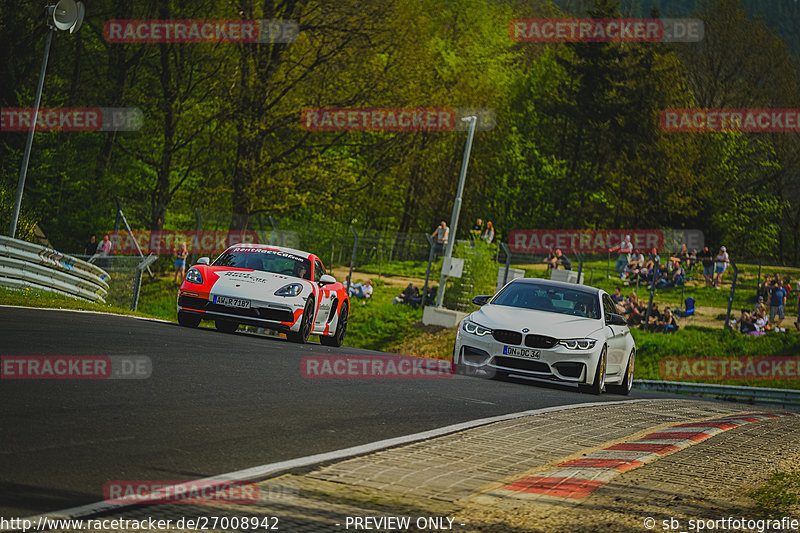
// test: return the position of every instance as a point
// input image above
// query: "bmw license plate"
(521, 352)
(232, 302)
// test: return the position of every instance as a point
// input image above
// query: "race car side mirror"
(326, 279)
(203, 261)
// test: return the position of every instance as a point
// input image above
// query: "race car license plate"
(521, 352)
(232, 302)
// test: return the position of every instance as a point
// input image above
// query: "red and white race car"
(266, 286)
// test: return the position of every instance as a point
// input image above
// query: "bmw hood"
(253, 284)
(555, 325)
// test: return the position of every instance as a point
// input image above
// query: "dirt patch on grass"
(341, 273)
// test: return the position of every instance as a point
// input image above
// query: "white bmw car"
(548, 330)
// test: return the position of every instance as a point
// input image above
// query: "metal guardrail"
(789, 398)
(24, 264)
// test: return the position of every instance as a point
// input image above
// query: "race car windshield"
(551, 299)
(272, 261)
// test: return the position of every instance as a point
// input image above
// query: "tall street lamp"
(65, 15)
(456, 211)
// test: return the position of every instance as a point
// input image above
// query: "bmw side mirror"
(326, 279)
(481, 300)
(204, 261)
(616, 320)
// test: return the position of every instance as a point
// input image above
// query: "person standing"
(440, 235)
(104, 249)
(488, 236)
(721, 264)
(777, 302)
(180, 262)
(475, 232)
(91, 246)
(797, 322)
(625, 248)
(707, 258)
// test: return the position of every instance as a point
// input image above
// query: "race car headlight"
(293, 289)
(194, 276)
(578, 344)
(475, 329)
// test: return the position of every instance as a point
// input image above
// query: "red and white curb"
(578, 478)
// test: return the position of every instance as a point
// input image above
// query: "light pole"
(456, 210)
(65, 15)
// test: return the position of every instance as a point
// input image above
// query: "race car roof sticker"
(277, 253)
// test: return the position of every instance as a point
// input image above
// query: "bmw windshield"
(273, 261)
(550, 299)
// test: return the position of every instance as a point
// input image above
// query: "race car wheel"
(226, 326)
(627, 381)
(188, 320)
(306, 323)
(337, 339)
(599, 376)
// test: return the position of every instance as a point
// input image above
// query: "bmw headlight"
(475, 329)
(293, 289)
(578, 344)
(194, 276)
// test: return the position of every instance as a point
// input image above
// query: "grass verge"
(780, 495)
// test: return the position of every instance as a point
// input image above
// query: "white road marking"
(262, 472)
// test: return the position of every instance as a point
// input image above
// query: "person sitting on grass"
(410, 295)
(634, 265)
(361, 292)
(746, 323)
(654, 319)
(667, 322)
(559, 257)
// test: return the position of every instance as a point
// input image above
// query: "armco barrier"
(787, 398)
(24, 264)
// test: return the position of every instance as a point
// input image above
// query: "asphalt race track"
(215, 403)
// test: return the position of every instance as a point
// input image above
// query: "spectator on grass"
(361, 292)
(678, 275)
(746, 322)
(440, 235)
(475, 232)
(707, 258)
(777, 302)
(692, 261)
(635, 264)
(488, 236)
(654, 319)
(180, 262)
(625, 248)
(104, 249)
(91, 246)
(559, 257)
(760, 318)
(410, 295)
(797, 322)
(721, 264)
(667, 322)
(650, 266)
